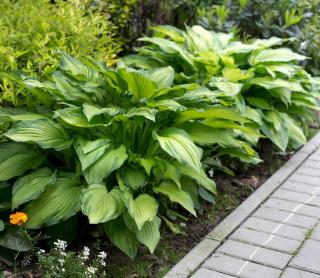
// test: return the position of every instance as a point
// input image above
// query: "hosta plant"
(261, 78)
(118, 145)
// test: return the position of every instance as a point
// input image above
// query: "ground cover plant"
(118, 145)
(260, 78)
(33, 30)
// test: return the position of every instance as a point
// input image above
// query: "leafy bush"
(33, 30)
(260, 18)
(258, 78)
(117, 145)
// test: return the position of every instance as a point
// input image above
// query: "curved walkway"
(274, 233)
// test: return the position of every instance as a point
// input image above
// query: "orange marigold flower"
(18, 218)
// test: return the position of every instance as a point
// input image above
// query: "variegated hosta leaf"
(46, 133)
(176, 195)
(134, 178)
(29, 187)
(163, 77)
(111, 160)
(142, 209)
(178, 144)
(100, 205)
(90, 111)
(14, 114)
(295, 132)
(16, 158)
(57, 203)
(275, 55)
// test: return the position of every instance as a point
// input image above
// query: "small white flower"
(61, 261)
(61, 244)
(92, 270)
(102, 255)
(86, 251)
(103, 263)
(211, 172)
(63, 253)
(63, 269)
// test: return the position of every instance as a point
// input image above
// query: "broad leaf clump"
(117, 145)
(260, 78)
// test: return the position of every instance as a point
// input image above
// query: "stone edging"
(188, 264)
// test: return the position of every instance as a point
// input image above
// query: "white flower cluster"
(102, 256)
(85, 254)
(60, 244)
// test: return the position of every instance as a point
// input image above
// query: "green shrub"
(259, 78)
(267, 18)
(117, 145)
(33, 30)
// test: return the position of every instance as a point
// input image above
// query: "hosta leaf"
(29, 187)
(122, 237)
(57, 203)
(15, 239)
(77, 69)
(138, 85)
(142, 209)
(135, 178)
(149, 234)
(90, 151)
(178, 144)
(146, 163)
(15, 114)
(163, 77)
(270, 83)
(90, 111)
(16, 158)
(229, 88)
(217, 112)
(176, 195)
(275, 55)
(259, 102)
(45, 133)
(203, 134)
(294, 130)
(166, 104)
(100, 205)
(201, 178)
(146, 112)
(234, 74)
(75, 117)
(279, 138)
(111, 160)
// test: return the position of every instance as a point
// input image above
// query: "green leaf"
(279, 138)
(259, 102)
(235, 74)
(229, 88)
(201, 178)
(218, 112)
(149, 234)
(29, 187)
(163, 77)
(15, 114)
(138, 85)
(57, 203)
(1, 225)
(90, 111)
(111, 160)
(146, 112)
(100, 205)
(90, 151)
(178, 144)
(275, 55)
(135, 178)
(45, 133)
(176, 195)
(122, 237)
(15, 239)
(146, 163)
(142, 209)
(17, 158)
(294, 130)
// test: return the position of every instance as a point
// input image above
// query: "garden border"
(190, 262)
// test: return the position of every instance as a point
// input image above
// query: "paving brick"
(315, 156)
(308, 257)
(269, 227)
(305, 179)
(300, 187)
(308, 171)
(279, 216)
(232, 266)
(207, 273)
(274, 242)
(297, 273)
(316, 233)
(255, 254)
(290, 206)
(297, 197)
(311, 163)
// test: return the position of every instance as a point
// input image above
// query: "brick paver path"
(281, 238)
